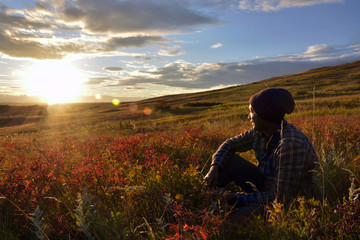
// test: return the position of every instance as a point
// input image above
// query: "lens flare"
(147, 111)
(116, 101)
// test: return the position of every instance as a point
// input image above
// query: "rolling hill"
(321, 88)
(340, 80)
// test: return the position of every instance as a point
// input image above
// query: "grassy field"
(135, 170)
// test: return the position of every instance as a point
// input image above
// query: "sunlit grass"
(134, 171)
(147, 182)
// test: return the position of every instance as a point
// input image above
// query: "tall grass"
(147, 184)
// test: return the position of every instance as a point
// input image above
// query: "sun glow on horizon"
(55, 81)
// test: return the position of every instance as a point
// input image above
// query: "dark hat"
(271, 104)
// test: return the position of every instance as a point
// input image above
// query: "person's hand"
(212, 177)
(225, 196)
(229, 197)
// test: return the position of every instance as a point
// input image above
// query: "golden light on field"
(55, 81)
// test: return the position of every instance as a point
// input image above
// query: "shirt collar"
(276, 137)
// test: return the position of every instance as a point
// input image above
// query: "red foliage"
(198, 224)
(50, 175)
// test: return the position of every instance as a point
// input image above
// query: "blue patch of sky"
(19, 4)
(247, 34)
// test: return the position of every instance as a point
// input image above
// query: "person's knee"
(230, 170)
(244, 173)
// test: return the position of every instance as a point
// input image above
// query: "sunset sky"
(98, 50)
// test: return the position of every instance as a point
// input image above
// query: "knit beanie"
(271, 104)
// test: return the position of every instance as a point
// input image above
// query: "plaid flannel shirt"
(286, 160)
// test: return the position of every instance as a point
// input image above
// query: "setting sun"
(55, 82)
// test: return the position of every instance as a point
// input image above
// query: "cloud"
(95, 81)
(217, 45)
(171, 51)
(21, 35)
(184, 75)
(113, 69)
(23, 48)
(210, 75)
(301, 3)
(27, 47)
(17, 20)
(16, 47)
(276, 5)
(145, 58)
(135, 88)
(108, 16)
(54, 29)
(43, 7)
(322, 49)
(134, 41)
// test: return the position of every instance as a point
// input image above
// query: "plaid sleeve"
(291, 168)
(294, 159)
(240, 143)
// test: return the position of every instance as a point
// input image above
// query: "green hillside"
(323, 90)
(341, 80)
(135, 170)
(318, 91)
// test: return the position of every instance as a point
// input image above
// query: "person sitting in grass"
(286, 158)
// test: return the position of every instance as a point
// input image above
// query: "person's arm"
(239, 143)
(212, 177)
(292, 166)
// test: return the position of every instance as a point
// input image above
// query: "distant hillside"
(325, 89)
(341, 80)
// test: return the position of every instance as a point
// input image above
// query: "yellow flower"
(179, 197)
